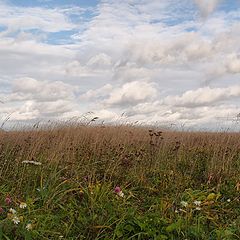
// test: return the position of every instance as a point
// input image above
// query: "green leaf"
(118, 233)
(174, 226)
(129, 228)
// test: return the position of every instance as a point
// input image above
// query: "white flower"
(13, 211)
(31, 162)
(197, 203)
(181, 210)
(23, 205)
(198, 208)
(29, 226)
(16, 220)
(120, 194)
(184, 204)
(229, 200)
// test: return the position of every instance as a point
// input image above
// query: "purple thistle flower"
(1, 210)
(117, 190)
(8, 200)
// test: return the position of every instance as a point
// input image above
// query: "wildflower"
(23, 205)
(32, 162)
(117, 189)
(13, 211)
(29, 226)
(184, 204)
(198, 208)
(211, 196)
(8, 200)
(229, 200)
(1, 210)
(16, 220)
(119, 192)
(197, 203)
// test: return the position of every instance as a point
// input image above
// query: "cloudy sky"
(168, 62)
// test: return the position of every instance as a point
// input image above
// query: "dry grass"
(142, 161)
(117, 146)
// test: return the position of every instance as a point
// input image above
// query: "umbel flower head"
(32, 162)
(12, 211)
(197, 203)
(184, 204)
(16, 220)
(22, 205)
(29, 226)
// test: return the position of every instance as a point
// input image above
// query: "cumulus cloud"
(101, 60)
(233, 63)
(33, 59)
(97, 93)
(131, 93)
(106, 115)
(20, 18)
(34, 110)
(207, 6)
(148, 59)
(32, 89)
(75, 68)
(203, 96)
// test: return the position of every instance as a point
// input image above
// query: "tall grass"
(176, 185)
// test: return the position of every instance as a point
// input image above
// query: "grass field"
(120, 182)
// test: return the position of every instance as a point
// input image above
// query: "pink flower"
(8, 200)
(117, 190)
(1, 210)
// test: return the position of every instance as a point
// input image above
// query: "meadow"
(119, 182)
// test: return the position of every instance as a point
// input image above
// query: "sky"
(162, 62)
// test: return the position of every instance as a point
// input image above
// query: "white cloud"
(75, 68)
(44, 19)
(233, 63)
(100, 61)
(32, 89)
(131, 93)
(203, 96)
(32, 109)
(106, 115)
(97, 93)
(154, 60)
(207, 6)
(33, 59)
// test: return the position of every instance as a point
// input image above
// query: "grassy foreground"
(119, 183)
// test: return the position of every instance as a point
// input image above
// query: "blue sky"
(161, 62)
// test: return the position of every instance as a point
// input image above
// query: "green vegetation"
(119, 183)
